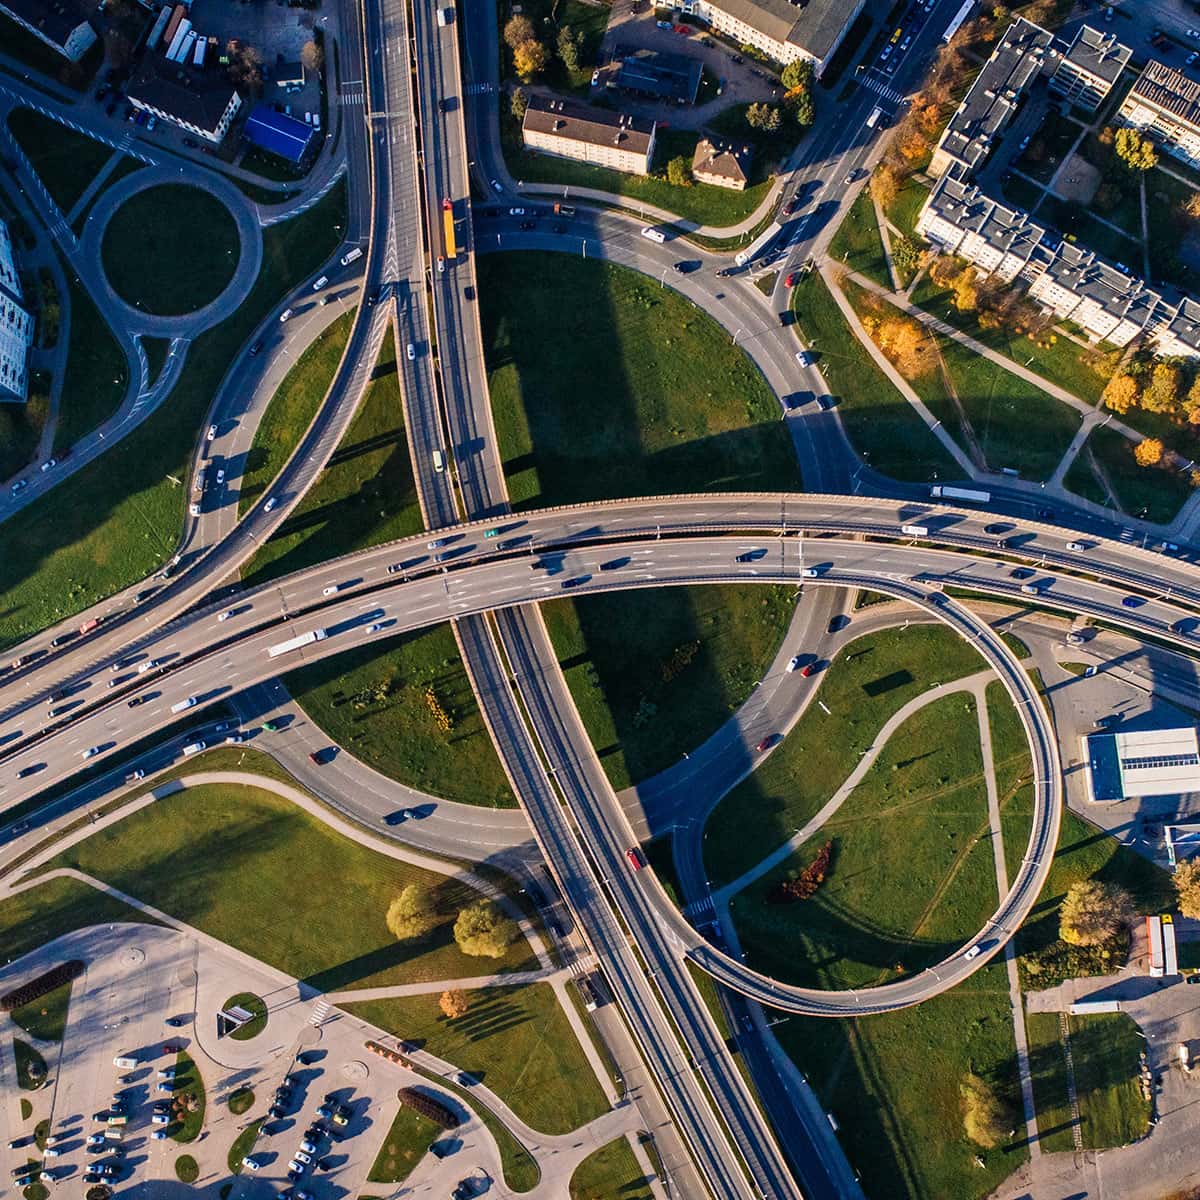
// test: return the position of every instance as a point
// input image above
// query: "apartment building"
(1165, 105)
(16, 328)
(61, 24)
(597, 136)
(721, 163)
(1087, 71)
(198, 100)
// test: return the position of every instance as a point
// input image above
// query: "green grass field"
(905, 208)
(241, 1146)
(607, 385)
(30, 1066)
(654, 673)
(291, 410)
(190, 1084)
(372, 700)
(365, 495)
(263, 876)
(126, 166)
(610, 1173)
(871, 679)
(46, 1017)
(407, 1142)
(882, 425)
(1048, 1074)
(252, 1004)
(857, 245)
(1156, 493)
(20, 430)
(1081, 480)
(118, 519)
(891, 905)
(516, 1040)
(66, 161)
(145, 263)
(96, 376)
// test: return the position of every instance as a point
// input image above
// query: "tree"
(568, 48)
(1191, 403)
(484, 931)
(1134, 150)
(529, 58)
(312, 56)
(966, 290)
(1093, 913)
(763, 116)
(906, 254)
(1162, 396)
(804, 110)
(796, 74)
(454, 1003)
(679, 172)
(245, 65)
(904, 341)
(1148, 452)
(518, 102)
(885, 185)
(987, 1119)
(517, 30)
(1121, 393)
(411, 914)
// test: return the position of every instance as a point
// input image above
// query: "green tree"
(568, 48)
(1162, 396)
(1134, 150)
(796, 74)
(1187, 887)
(518, 102)
(679, 172)
(412, 914)
(756, 115)
(483, 931)
(518, 29)
(804, 110)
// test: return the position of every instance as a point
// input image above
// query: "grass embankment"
(46, 1017)
(870, 680)
(375, 701)
(242, 1145)
(858, 244)
(291, 410)
(517, 1041)
(188, 1085)
(610, 1173)
(127, 166)
(1150, 491)
(654, 673)
(21, 428)
(607, 385)
(891, 905)
(119, 518)
(97, 373)
(65, 160)
(145, 263)
(904, 210)
(253, 1004)
(365, 495)
(262, 875)
(406, 1144)
(882, 425)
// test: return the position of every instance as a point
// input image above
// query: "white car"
(301, 1157)
(220, 474)
(235, 739)
(1193, 33)
(441, 264)
(412, 352)
(50, 462)
(283, 316)
(331, 590)
(516, 212)
(595, 77)
(496, 185)
(974, 951)
(91, 752)
(194, 509)
(270, 504)
(794, 665)
(251, 1163)
(212, 432)
(375, 628)
(159, 1135)
(225, 615)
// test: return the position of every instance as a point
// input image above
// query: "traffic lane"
(1029, 542)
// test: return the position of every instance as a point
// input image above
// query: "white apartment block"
(1165, 105)
(16, 328)
(597, 136)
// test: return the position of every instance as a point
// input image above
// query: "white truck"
(957, 493)
(352, 256)
(444, 16)
(304, 639)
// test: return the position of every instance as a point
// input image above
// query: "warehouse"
(1144, 762)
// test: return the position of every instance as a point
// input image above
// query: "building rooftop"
(667, 76)
(583, 123)
(194, 95)
(1145, 762)
(1098, 54)
(1170, 90)
(56, 19)
(993, 98)
(1008, 229)
(714, 156)
(814, 26)
(278, 133)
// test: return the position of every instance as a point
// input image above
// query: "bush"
(805, 884)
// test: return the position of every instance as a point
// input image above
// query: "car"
(633, 856)
(436, 543)
(251, 1163)
(595, 77)
(794, 664)
(766, 743)
(331, 590)
(270, 504)
(1193, 33)
(808, 670)
(749, 555)
(849, 178)
(308, 1146)
(905, 44)
(93, 1139)
(19, 486)
(997, 527)
(325, 1112)
(974, 952)
(92, 751)
(792, 280)
(826, 402)
(1132, 601)
(285, 316)
(1191, 58)
(375, 628)
(305, 1160)
(411, 351)
(1030, 589)
(134, 701)
(49, 464)
(516, 212)
(91, 1176)
(341, 1115)
(212, 433)
(220, 475)
(160, 1118)
(194, 509)
(887, 53)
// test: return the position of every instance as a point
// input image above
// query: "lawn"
(882, 425)
(653, 673)
(373, 700)
(857, 244)
(31, 1066)
(65, 160)
(904, 210)
(252, 1004)
(241, 1101)
(20, 430)
(242, 1145)
(365, 495)
(871, 679)
(1081, 479)
(605, 385)
(118, 519)
(891, 905)
(892, 1082)
(610, 1173)
(127, 166)
(515, 1040)
(189, 1085)
(262, 875)
(1048, 1074)
(1150, 491)
(145, 263)
(1058, 358)
(45, 1018)
(406, 1144)
(291, 410)
(97, 373)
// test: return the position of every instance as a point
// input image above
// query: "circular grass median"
(170, 250)
(252, 1004)
(187, 1169)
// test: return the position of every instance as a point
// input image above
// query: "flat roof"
(188, 92)
(55, 19)
(1170, 90)
(814, 26)
(1098, 54)
(1145, 762)
(277, 132)
(670, 76)
(583, 123)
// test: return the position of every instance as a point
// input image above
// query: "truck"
(304, 639)
(654, 235)
(86, 627)
(125, 1061)
(873, 119)
(563, 210)
(956, 493)
(1170, 954)
(1155, 945)
(352, 256)
(915, 530)
(1185, 1057)
(448, 227)
(444, 16)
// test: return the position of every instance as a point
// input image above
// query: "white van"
(439, 461)
(915, 530)
(188, 750)
(873, 119)
(655, 235)
(183, 704)
(125, 1061)
(354, 254)
(320, 283)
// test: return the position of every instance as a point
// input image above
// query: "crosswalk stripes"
(884, 91)
(352, 94)
(479, 89)
(702, 908)
(320, 1011)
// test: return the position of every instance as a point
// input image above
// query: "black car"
(25, 772)
(135, 701)
(255, 348)
(527, 225)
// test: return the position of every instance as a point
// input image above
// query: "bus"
(1154, 939)
(1170, 953)
(448, 225)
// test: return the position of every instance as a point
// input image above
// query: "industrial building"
(598, 136)
(277, 133)
(658, 76)
(1145, 762)
(201, 101)
(16, 328)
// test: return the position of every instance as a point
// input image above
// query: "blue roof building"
(275, 132)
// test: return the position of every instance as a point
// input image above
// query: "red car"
(768, 741)
(634, 857)
(808, 669)
(790, 281)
